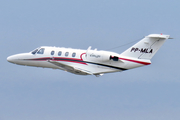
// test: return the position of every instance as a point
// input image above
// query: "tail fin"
(147, 47)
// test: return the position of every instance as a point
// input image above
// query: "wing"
(71, 69)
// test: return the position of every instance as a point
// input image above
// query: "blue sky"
(150, 92)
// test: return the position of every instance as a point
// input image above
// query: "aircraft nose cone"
(13, 58)
(10, 59)
(17, 58)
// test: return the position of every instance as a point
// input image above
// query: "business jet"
(92, 62)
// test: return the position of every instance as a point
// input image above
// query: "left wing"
(71, 69)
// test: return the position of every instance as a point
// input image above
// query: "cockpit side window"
(34, 51)
(41, 51)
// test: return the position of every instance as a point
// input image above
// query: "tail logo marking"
(142, 50)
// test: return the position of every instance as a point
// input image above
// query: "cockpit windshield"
(34, 51)
(38, 51)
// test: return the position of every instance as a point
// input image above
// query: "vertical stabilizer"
(147, 47)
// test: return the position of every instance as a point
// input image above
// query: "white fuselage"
(82, 62)
(92, 62)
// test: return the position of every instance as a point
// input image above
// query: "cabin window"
(59, 53)
(74, 54)
(41, 51)
(52, 52)
(67, 53)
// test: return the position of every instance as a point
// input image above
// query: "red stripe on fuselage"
(75, 60)
(60, 59)
(82, 55)
(136, 61)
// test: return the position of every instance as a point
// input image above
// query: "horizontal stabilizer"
(158, 36)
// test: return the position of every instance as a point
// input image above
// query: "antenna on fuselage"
(89, 48)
